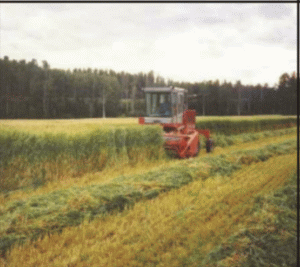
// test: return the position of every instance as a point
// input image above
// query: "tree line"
(28, 90)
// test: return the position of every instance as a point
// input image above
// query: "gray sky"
(254, 43)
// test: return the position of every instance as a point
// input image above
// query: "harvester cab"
(164, 104)
(168, 106)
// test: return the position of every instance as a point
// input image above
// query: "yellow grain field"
(71, 126)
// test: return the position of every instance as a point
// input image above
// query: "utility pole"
(203, 103)
(125, 87)
(239, 102)
(46, 91)
(261, 100)
(239, 99)
(133, 95)
(203, 95)
(8, 103)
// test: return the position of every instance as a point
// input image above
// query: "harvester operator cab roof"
(164, 104)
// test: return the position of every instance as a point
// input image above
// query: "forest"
(28, 90)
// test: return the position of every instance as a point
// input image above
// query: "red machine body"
(181, 136)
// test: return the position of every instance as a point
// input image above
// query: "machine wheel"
(209, 146)
(199, 147)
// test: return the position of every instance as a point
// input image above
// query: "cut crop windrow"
(270, 238)
(222, 140)
(57, 210)
(176, 229)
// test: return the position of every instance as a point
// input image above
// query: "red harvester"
(166, 106)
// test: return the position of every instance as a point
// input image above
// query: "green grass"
(36, 216)
(238, 125)
(271, 237)
(222, 140)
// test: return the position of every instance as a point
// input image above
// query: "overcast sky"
(254, 43)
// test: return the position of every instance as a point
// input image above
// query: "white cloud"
(189, 42)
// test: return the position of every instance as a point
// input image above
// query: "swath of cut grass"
(177, 228)
(269, 239)
(121, 192)
(222, 140)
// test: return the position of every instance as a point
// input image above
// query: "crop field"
(214, 123)
(94, 192)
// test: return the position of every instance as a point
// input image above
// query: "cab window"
(158, 104)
